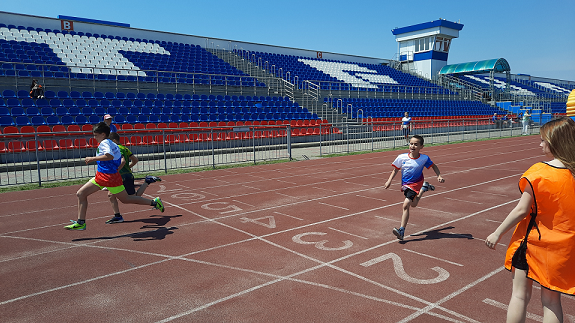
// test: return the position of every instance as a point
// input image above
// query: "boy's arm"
(391, 176)
(133, 160)
(515, 216)
(99, 158)
(122, 163)
(436, 170)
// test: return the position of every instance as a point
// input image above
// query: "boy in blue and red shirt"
(412, 185)
(108, 157)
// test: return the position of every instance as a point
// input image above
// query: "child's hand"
(386, 185)
(492, 240)
(440, 179)
(88, 160)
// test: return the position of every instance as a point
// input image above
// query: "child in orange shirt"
(542, 245)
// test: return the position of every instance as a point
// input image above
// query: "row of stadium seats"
(14, 140)
(22, 94)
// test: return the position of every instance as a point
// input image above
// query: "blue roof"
(426, 25)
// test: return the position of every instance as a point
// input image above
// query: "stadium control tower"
(423, 48)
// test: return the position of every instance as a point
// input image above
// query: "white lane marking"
(433, 257)
(339, 207)
(504, 307)
(243, 203)
(351, 234)
(450, 198)
(442, 274)
(450, 296)
(289, 216)
(493, 221)
(369, 197)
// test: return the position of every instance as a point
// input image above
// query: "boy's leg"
(114, 203)
(82, 194)
(551, 301)
(142, 189)
(520, 296)
(133, 199)
(405, 215)
(147, 181)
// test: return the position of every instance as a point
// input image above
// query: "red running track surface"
(293, 242)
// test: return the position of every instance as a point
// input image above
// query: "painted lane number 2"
(400, 272)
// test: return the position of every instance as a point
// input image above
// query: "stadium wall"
(9, 18)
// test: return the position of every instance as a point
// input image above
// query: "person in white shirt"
(405, 125)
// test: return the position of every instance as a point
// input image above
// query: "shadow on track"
(437, 234)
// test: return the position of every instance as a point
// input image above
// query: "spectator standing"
(108, 121)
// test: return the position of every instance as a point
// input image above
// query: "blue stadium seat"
(32, 111)
(37, 121)
(52, 120)
(6, 121)
(81, 120)
(94, 119)
(22, 121)
(66, 120)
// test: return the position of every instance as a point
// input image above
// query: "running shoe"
(152, 179)
(159, 205)
(76, 226)
(115, 219)
(398, 233)
(427, 187)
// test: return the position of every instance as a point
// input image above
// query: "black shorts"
(128, 180)
(409, 193)
(405, 131)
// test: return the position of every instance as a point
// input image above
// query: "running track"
(293, 242)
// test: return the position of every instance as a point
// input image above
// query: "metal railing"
(53, 156)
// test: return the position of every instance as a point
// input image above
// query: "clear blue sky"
(536, 37)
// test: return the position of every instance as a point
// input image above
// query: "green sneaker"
(76, 226)
(159, 205)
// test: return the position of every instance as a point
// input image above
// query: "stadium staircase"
(308, 97)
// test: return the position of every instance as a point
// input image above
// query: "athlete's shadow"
(155, 221)
(437, 234)
(158, 234)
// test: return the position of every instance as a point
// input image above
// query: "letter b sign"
(67, 25)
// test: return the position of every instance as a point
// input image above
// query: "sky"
(535, 37)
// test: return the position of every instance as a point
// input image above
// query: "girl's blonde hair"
(560, 136)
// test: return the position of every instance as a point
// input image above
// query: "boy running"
(108, 157)
(128, 161)
(412, 185)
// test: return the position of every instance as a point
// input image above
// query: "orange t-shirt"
(551, 259)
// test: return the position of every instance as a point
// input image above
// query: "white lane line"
(504, 307)
(81, 282)
(433, 257)
(450, 198)
(289, 216)
(293, 197)
(500, 195)
(369, 197)
(424, 208)
(339, 207)
(243, 203)
(351, 234)
(253, 188)
(493, 221)
(325, 189)
(381, 217)
(450, 296)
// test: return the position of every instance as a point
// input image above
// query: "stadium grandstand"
(183, 95)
